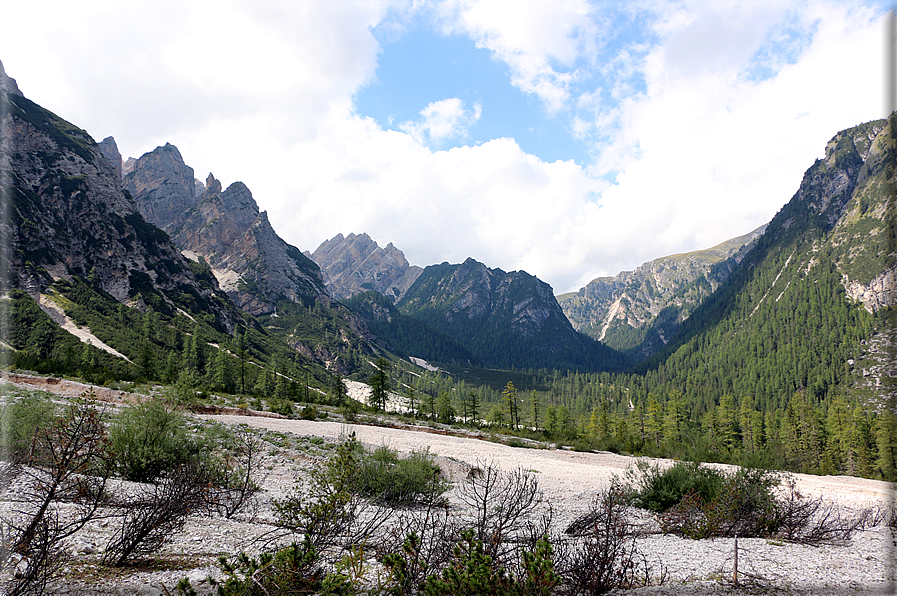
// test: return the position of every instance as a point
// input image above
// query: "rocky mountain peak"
(213, 186)
(7, 83)
(356, 263)
(74, 219)
(251, 262)
(110, 151)
(163, 186)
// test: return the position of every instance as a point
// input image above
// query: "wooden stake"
(735, 567)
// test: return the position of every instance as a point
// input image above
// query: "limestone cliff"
(252, 263)
(355, 264)
(69, 216)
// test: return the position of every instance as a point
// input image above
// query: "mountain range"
(254, 265)
(797, 305)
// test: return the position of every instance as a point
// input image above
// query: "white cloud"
(542, 42)
(442, 120)
(705, 153)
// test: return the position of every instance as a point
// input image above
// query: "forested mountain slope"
(639, 311)
(504, 319)
(784, 322)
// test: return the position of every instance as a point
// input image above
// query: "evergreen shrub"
(658, 489)
(149, 438)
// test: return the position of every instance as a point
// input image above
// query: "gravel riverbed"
(569, 480)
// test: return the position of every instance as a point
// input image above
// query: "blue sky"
(568, 138)
(424, 66)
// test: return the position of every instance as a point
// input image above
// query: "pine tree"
(551, 421)
(886, 441)
(337, 390)
(411, 399)
(146, 360)
(171, 368)
(565, 423)
(445, 411)
(725, 418)
(474, 407)
(379, 383)
(839, 452)
(672, 420)
(654, 421)
(510, 399)
(241, 354)
(431, 405)
(534, 402)
(222, 378)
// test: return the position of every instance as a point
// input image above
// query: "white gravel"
(571, 479)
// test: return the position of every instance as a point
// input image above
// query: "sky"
(567, 138)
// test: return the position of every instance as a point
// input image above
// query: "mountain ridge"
(355, 263)
(504, 318)
(638, 311)
(225, 227)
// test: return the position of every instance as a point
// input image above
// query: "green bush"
(744, 506)
(472, 572)
(21, 421)
(149, 438)
(295, 569)
(385, 477)
(658, 489)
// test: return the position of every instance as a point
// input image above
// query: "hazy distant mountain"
(638, 311)
(225, 227)
(355, 264)
(503, 319)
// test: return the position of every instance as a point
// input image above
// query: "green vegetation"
(659, 489)
(385, 477)
(150, 438)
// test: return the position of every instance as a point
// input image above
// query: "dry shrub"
(602, 554)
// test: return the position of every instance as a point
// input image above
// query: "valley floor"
(569, 480)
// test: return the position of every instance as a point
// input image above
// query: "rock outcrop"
(252, 263)
(110, 151)
(7, 83)
(355, 264)
(163, 186)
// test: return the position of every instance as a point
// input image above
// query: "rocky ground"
(569, 481)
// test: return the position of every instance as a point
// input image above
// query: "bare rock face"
(163, 186)
(7, 83)
(225, 227)
(880, 292)
(69, 216)
(110, 151)
(356, 263)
